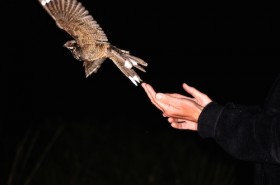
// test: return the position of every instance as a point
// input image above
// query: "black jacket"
(248, 133)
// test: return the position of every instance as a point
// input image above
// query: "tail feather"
(140, 68)
(138, 60)
(125, 62)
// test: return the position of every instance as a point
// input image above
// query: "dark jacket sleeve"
(245, 133)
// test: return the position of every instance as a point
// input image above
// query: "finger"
(191, 90)
(176, 120)
(144, 85)
(151, 94)
(171, 120)
(147, 91)
(176, 95)
(164, 115)
(187, 125)
(201, 98)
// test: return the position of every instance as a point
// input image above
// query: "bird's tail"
(125, 62)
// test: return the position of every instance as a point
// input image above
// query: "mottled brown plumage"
(90, 44)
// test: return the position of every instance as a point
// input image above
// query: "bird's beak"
(67, 46)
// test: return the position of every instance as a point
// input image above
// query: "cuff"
(208, 120)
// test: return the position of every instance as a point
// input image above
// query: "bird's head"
(73, 47)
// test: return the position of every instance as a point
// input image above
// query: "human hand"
(182, 111)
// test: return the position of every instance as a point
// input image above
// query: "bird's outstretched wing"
(92, 67)
(71, 16)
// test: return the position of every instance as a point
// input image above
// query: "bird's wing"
(92, 66)
(71, 16)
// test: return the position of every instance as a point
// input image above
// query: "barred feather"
(90, 44)
(70, 15)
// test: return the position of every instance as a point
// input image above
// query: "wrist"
(197, 113)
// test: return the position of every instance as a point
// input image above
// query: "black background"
(229, 50)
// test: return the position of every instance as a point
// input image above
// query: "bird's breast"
(94, 52)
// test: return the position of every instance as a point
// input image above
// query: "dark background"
(59, 127)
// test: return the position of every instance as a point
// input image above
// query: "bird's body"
(90, 44)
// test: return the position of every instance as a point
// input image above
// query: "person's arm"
(245, 134)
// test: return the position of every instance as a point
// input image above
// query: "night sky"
(229, 50)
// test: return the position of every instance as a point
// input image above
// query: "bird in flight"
(90, 44)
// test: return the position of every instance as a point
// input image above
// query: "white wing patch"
(44, 2)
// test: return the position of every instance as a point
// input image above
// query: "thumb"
(166, 100)
(159, 96)
(192, 91)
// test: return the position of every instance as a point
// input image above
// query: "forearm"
(243, 133)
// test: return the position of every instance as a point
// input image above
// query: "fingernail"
(159, 96)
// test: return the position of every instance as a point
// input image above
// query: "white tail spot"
(133, 80)
(127, 64)
(136, 78)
